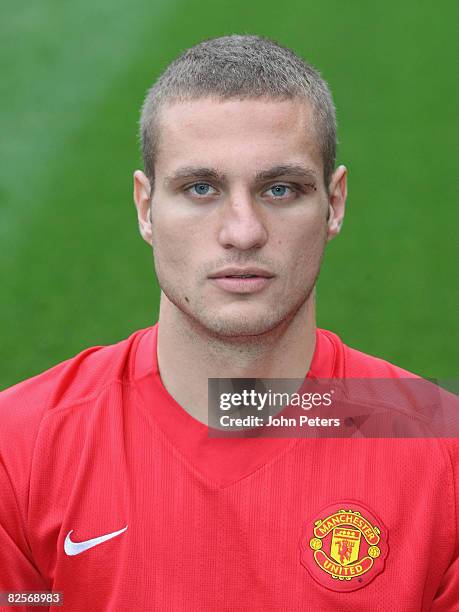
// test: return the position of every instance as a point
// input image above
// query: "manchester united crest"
(344, 547)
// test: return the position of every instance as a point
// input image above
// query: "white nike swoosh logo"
(75, 548)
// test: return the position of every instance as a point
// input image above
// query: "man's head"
(238, 138)
(239, 67)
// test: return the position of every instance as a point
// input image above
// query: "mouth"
(242, 273)
(249, 281)
(240, 276)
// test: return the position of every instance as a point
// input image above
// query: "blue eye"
(279, 191)
(200, 189)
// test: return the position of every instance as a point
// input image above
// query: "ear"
(142, 192)
(336, 201)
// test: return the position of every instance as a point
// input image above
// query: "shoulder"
(26, 406)
(69, 382)
(430, 410)
(352, 363)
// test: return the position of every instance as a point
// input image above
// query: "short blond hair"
(239, 66)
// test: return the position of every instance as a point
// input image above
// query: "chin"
(235, 321)
(238, 326)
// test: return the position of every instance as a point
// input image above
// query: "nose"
(242, 225)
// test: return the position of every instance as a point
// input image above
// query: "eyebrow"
(296, 170)
(194, 173)
(283, 170)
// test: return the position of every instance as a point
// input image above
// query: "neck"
(188, 354)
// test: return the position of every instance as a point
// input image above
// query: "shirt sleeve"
(18, 572)
(19, 423)
(447, 596)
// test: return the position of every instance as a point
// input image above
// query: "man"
(112, 491)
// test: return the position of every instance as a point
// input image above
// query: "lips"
(239, 276)
(242, 273)
(242, 281)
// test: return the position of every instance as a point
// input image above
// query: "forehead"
(237, 136)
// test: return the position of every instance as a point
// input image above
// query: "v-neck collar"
(221, 462)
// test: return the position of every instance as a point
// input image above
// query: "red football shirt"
(97, 447)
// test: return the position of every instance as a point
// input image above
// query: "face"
(240, 214)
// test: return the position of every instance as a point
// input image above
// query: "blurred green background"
(74, 271)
